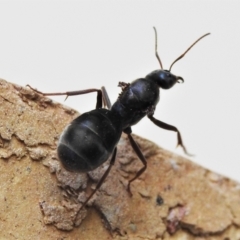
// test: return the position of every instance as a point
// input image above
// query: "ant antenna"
(156, 53)
(181, 56)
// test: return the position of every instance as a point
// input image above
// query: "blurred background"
(60, 46)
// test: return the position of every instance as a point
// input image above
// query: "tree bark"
(173, 199)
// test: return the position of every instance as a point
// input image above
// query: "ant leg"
(112, 161)
(137, 150)
(105, 97)
(73, 93)
(170, 128)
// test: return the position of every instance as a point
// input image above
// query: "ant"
(92, 138)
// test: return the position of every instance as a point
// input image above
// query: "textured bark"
(173, 199)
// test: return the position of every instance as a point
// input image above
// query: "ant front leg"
(74, 93)
(166, 126)
(138, 151)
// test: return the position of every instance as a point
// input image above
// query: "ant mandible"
(90, 139)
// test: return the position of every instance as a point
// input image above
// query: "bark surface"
(174, 199)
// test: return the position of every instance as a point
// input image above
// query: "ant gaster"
(90, 139)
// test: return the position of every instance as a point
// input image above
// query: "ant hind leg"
(105, 97)
(74, 93)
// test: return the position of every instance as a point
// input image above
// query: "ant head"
(164, 78)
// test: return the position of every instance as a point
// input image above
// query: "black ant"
(90, 139)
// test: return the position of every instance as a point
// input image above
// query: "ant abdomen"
(89, 140)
